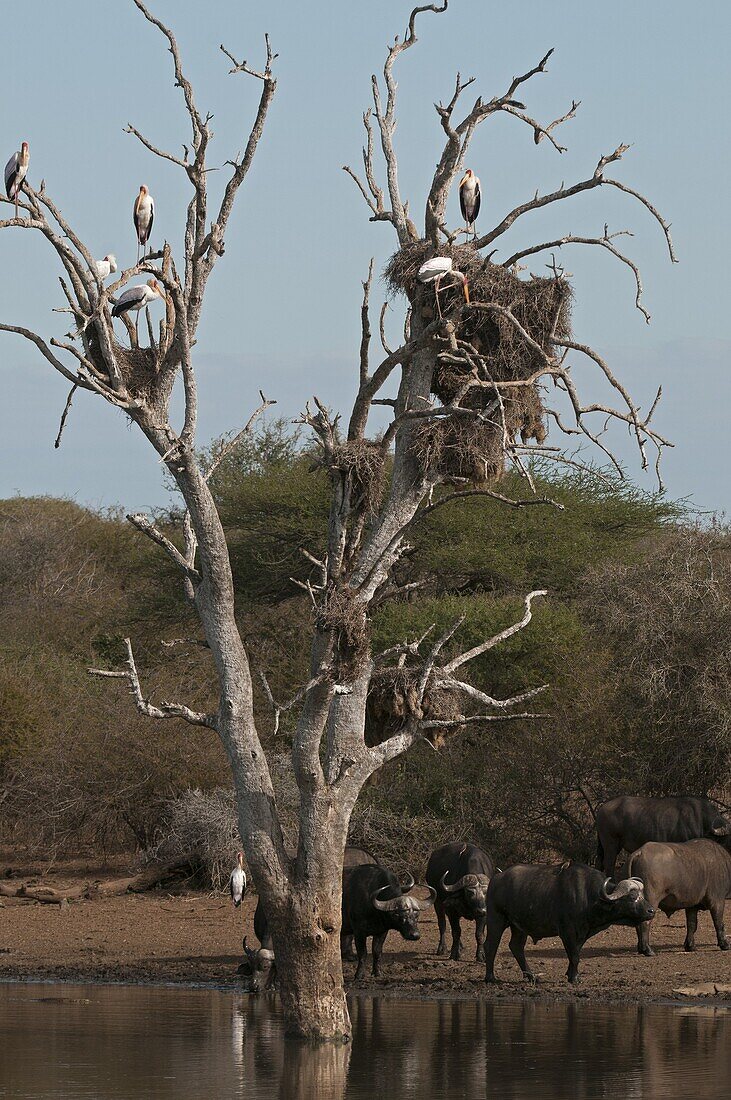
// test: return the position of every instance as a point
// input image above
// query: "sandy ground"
(195, 938)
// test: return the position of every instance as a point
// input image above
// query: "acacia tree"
(467, 379)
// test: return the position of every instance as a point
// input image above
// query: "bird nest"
(343, 615)
(361, 462)
(393, 699)
(138, 367)
(473, 447)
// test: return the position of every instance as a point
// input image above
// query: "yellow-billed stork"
(237, 881)
(15, 172)
(136, 298)
(434, 270)
(143, 217)
(469, 199)
(107, 266)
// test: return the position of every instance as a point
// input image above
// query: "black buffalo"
(353, 857)
(691, 876)
(374, 902)
(460, 874)
(629, 822)
(260, 962)
(572, 901)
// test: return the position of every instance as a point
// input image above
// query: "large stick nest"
(361, 462)
(344, 616)
(473, 447)
(393, 699)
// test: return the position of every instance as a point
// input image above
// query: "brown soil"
(195, 938)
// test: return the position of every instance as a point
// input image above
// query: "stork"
(136, 298)
(143, 217)
(15, 173)
(237, 881)
(107, 266)
(434, 270)
(469, 200)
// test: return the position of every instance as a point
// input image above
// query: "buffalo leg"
(442, 922)
(572, 947)
(480, 933)
(360, 946)
(496, 925)
(517, 947)
(456, 935)
(611, 851)
(378, 942)
(691, 923)
(346, 946)
(643, 931)
(717, 918)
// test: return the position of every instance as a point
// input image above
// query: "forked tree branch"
(144, 706)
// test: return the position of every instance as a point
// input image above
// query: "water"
(131, 1043)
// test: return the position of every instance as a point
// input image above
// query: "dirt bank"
(196, 938)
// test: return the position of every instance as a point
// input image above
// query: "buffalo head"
(403, 911)
(474, 891)
(261, 966)
(628, 901)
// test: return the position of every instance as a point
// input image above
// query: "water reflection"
(108, 1042)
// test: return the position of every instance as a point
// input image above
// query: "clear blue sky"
(282, 310)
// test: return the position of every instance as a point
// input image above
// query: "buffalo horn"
(450, 889)
(408, 882)
(721, 830)
(464, 882)
(387, 904)
(426, 903)
(622, 888)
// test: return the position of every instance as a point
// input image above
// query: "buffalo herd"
(679, 858)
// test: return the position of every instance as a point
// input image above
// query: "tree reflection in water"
(132, 1043)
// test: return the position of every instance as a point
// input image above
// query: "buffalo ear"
(721, 828)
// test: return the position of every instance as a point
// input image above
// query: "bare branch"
(478, 650)
(145, 525)
(64, 415)
(365, 325)
(603, 242)
(144, 706)
(235, 440)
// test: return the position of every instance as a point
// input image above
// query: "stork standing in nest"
(143, 217)
(469, 200)
(15, 172)
(136, 298)
(434, 270)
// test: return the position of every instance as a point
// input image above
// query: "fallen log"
(136, 884)
(50, 896)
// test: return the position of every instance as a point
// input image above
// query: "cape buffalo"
(572, 901)
(353, 857)
(629, 822)
(260, 962)
(374, 902)
(460, 874)
(691, 876)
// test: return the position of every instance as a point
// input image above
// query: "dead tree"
(468, 384)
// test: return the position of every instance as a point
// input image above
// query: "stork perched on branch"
(469, 200)
(15, 172)
(107, 266)
(143, 217)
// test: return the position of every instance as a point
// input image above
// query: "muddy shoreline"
(194, 939)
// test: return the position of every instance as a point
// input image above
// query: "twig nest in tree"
(344, 615)
(361, 461)
(393, 699)
(460, 446)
